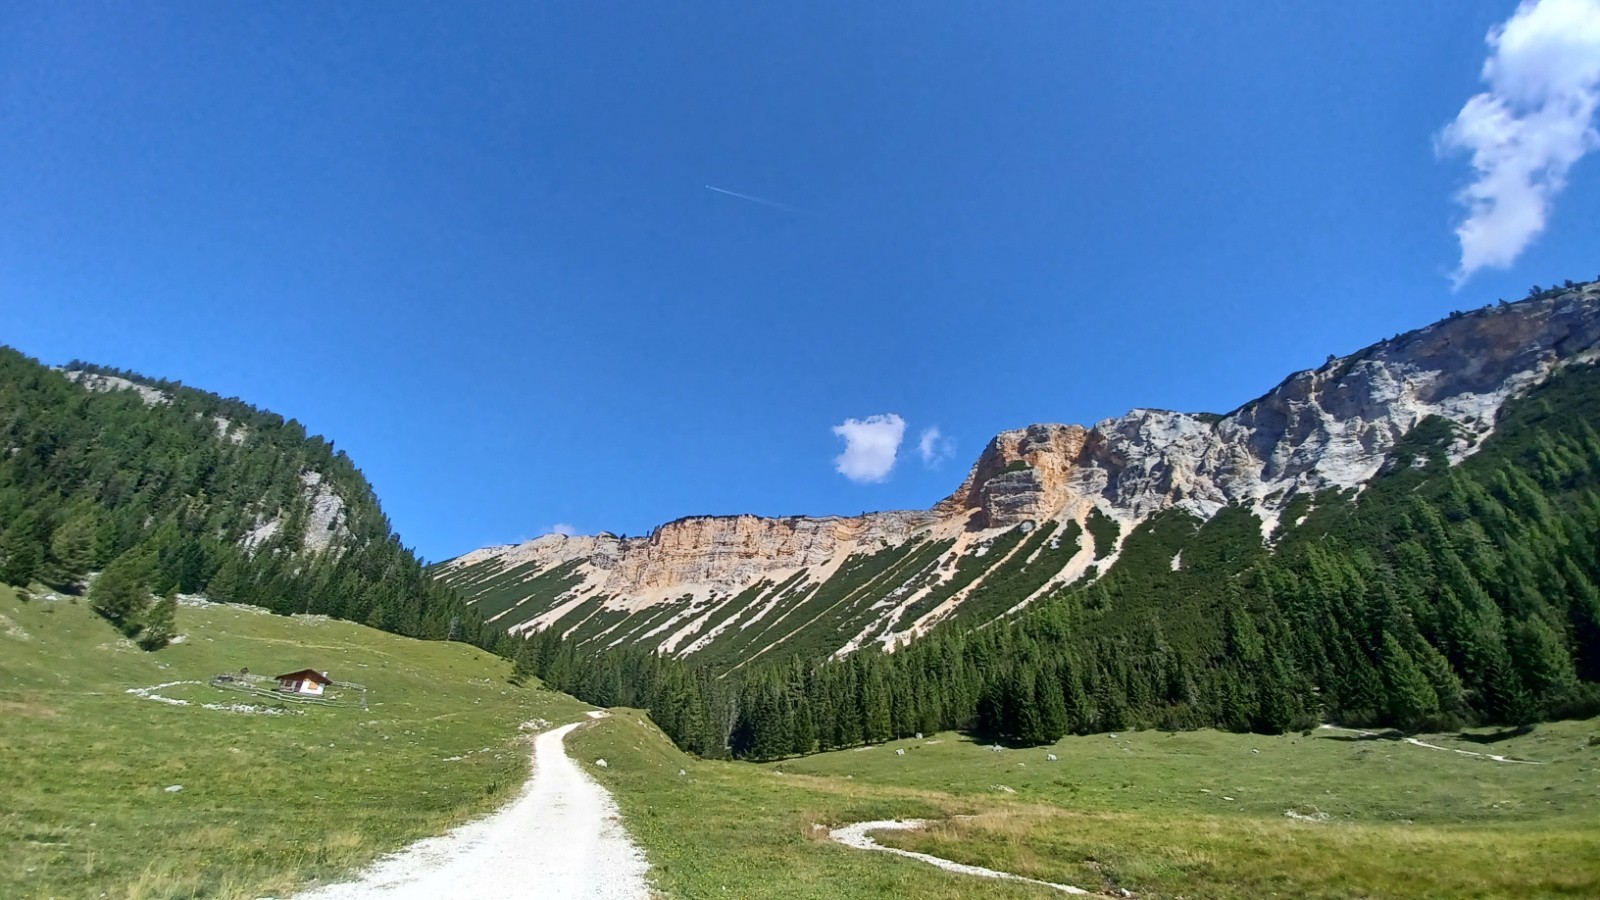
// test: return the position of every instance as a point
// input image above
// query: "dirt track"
(560, 838)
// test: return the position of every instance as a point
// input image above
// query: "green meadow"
(274, 801)
(269, 801)
(1192, 814)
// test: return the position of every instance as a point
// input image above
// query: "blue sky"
(476, 246)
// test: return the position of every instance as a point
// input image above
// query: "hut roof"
(306, 675)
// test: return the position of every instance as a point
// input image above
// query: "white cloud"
(1525, 132)
(934, 447)
(562, 528)
(870, 447)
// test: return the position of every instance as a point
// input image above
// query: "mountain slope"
(1043, 507)
(174, 489)
(1457, 585)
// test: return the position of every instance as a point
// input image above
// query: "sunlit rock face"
(1329, 427)
(1325, 427)
(714, 551)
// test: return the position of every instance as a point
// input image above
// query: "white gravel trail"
(1416, 743)
(857, 836)
(562, 838)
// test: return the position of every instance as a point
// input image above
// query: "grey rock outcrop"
(1329, 427)
(1321, 428)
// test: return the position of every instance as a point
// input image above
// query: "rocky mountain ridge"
(1332, 427)
(1329, 427)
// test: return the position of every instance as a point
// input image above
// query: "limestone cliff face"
(1023, 474)
(732, 550)
(326, 520)
(721, 552)
(1328, 427)
(108, 383)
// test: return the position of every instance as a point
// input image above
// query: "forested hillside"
(1437, 595)
(1455, 581)
(169, 489)
(1042, 507)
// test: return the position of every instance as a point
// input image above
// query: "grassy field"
(1199, 814)
(269, 802)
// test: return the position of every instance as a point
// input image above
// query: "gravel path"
(856, 836)
(1416, 743)
(561, 838)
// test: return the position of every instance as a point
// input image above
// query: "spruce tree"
(72, 548)
(1446, 686)
(526, 662)
(1111, 706)
(1025, 721)
(160, 623)
(1278, 706)
(1080, 712)
(120, 592)
(1542, 661)
(1051, 705)
(1411, 699)
(876, 721)
(21, 555)
(225, 585)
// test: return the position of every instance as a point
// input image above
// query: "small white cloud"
(870, 447)
(562, 528)
(1526, 132)
(934, 447)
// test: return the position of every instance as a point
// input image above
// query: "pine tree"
(120, 592)
(21, 555)
(1051, 705)
(1111, 706)
(72, 548)
(526, 662)
(1583, 611)
(1025, 721)
(1504, 698)
(876, 722)
(1411, 699)
(1542, 661)
(1234, 709)
(225, 583)
(1278, 706)
(1446, 686)
(1080, 712)
(160, 623)
(802, 732)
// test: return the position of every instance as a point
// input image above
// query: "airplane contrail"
(772, 203)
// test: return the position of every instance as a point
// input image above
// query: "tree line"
(1440, 596)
